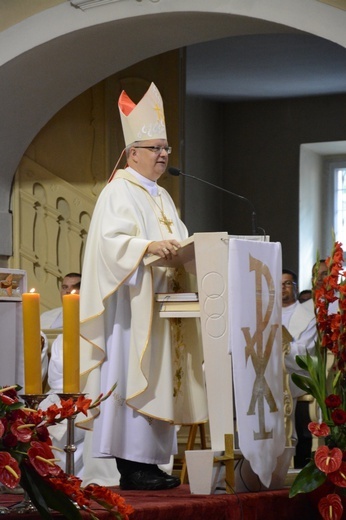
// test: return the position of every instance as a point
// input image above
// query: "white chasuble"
(125, 340)
(256, 348)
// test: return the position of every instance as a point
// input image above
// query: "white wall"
(311, 171)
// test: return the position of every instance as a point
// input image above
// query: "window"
(322, 202)
(339, 171)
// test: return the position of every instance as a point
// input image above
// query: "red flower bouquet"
(27, 459)
(328, 465)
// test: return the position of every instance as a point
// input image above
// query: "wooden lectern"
(207, 256)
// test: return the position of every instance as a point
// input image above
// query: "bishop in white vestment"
(156, 362)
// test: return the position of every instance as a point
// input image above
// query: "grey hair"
(129, 146)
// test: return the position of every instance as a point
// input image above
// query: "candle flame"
(74, 291)
(32, 290)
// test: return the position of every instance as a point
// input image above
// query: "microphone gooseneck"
(176, 172)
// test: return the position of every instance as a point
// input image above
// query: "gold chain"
(164, 219)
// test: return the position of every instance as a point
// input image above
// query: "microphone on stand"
(176, 172)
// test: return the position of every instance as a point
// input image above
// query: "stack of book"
(178, 302)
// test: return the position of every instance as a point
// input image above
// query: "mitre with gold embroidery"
(143, 121)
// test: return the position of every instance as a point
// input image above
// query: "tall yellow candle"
(32, 343)
(70, 305)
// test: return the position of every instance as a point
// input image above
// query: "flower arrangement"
(26, 459)
(327, 468)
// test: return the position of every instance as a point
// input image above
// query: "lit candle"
(70, 305)
(32, 342)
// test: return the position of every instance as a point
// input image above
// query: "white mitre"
(143, 121)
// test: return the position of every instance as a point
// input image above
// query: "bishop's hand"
(164, 248)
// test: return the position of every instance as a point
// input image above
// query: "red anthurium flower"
(10, 391)
(21, 430)
(319, 429)
(328, 460)
(9, 470)
(25, 432)
(6, 399)
(330, 507)
(42, 458)
(333, 401)
(339, 477)
(339, 416)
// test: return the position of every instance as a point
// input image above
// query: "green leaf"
(44, 496)
(301, 362)
(303, 382)
(313, 366)
(309, 478)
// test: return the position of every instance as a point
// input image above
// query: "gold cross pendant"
(166, 222)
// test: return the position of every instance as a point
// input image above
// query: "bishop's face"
(149, 158)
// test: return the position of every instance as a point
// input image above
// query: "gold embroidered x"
(260, 358)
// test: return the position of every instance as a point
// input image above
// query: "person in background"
(305, 295)
(124, 341)
(299, 331)
(52, 319)
(322, 272)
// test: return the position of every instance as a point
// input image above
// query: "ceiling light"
(87, 4)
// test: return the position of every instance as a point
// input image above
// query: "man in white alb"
(52, 319)
(299, 330)
(157, 364)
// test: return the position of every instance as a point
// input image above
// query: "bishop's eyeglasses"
(157, 149)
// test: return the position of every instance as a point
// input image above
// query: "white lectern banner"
(255, 344)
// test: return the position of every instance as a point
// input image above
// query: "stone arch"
(65, 52)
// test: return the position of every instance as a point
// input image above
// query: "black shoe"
(170, 479)
(146, 481)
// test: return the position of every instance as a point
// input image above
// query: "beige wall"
(68, 163)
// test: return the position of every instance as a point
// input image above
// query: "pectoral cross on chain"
(166, 222)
